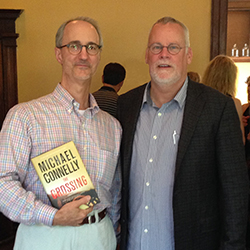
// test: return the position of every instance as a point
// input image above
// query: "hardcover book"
(64, 176)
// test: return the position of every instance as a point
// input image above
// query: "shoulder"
(207, 93)
(107, 120)
(237, 102)
(97, 92)
(132, 96)
(27, 106)
(207, 90)
(130, 102)
(134, 91)
(208, 99)
(26, 110)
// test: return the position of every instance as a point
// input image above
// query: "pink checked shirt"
(40, 125)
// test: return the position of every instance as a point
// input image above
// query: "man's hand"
(70, 214)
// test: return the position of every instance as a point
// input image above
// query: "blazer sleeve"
(232, 172)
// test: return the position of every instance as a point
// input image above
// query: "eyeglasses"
(76, 48)
(173, 49)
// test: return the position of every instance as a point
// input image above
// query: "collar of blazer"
(129, 105)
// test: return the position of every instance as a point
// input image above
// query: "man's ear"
(58, 53)
(146, 56)
(189, 55)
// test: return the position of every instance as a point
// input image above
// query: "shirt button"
(145, 230)
(146, 207)
(155, 137)
(147, 183)
(159, 114)
(150, 160)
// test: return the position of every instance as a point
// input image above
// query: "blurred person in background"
(194, 76)
(112, 79)
(221, 74)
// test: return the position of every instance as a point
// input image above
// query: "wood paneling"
(218, 27)
(8, 68)
(8, 92)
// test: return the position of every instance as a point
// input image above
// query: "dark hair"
(113, 73)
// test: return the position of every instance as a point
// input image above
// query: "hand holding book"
(64, 176)
(70, 214)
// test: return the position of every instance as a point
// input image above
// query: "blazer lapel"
(192, 111)
(130, 114)
(129, 106)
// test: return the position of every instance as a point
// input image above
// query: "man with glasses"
(70, 113)
(183, 168)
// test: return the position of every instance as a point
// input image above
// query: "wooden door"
(8, 68)
(8, 92)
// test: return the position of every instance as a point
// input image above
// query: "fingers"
(81, 199)
(71, 214)
(245, 120)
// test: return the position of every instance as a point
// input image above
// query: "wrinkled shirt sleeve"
(17, 176)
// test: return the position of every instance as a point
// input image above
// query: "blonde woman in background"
(221, 74)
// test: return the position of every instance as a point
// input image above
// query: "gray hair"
(60, 31)
(165, 20)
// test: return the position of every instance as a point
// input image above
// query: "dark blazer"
(211, 186)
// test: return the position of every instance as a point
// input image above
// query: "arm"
(114, 210)
(233, 180)
(18, 179)
(114, 179)
(23, 198)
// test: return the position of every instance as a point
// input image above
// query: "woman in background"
(221, 74)
(246, 123)
(194, 76)
(245, 107)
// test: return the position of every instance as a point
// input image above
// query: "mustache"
(163, 62)
(82, 62)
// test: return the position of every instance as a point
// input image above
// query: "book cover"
(64, 176)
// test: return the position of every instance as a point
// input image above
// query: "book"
(64, 176)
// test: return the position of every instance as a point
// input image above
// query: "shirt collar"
(179, 98)
(70, 104)
(107, 88)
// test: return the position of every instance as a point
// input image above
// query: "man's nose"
(83, 53)
(165, 52)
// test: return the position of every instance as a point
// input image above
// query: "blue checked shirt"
(37, 126)
(151, 182)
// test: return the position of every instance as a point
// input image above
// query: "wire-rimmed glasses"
(173, 49)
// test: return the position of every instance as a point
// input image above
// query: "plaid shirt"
(40, 125)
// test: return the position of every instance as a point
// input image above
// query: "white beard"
(164, 81)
